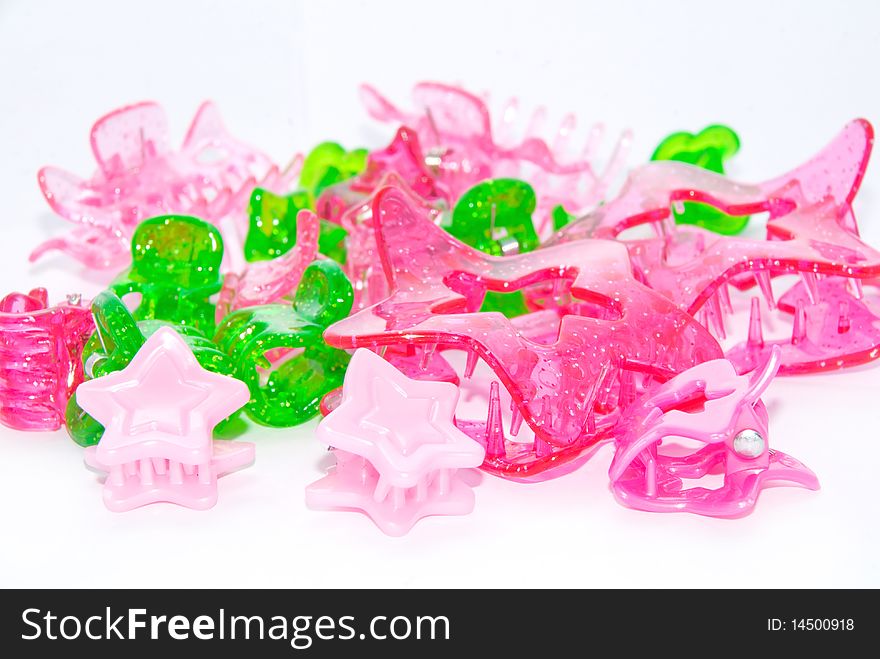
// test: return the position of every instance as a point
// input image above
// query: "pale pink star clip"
(158, 414)
(397, 448)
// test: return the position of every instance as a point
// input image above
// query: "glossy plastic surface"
(463, 146)
(397, 448)
(707, 149)
(567, 370)
(175, 269)
(40, 366)
(273, 227)
(722, 411)
(278, 351)
(159, 412)
(115, 342)
(265, 282)
(811, 231)
(140, 176)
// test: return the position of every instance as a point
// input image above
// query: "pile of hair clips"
(464, 297)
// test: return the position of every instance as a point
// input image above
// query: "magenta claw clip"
(714, 406)
(811, 232)
(569, 369)
(158, 413)
(397, 448)
(40, 365)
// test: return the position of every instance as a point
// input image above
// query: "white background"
(786, 75)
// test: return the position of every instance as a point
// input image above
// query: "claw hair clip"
(175, 269)
(463, 149)
(495, 217)
(328, 164)
(275, 280)
(722, 411)
(811, 232)
(402, 159)
(273, 227)
(40, 364)
(159, 412)
(398, 451)
(115, 342)
(278, 351)
(707, 149)
(354, 214)
(140, 176)
(568, 370)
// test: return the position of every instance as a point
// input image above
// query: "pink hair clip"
(40, 365)
(398, 450)
(158, 414)
(811, 231)
(363, 265)
(723, 411)
(265, 282)
(139, 176)
(456, 129)
(568, 370)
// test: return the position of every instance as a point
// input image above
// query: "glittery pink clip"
(811, 231)
(265, 282)
(363, 264)
(567, 370)
(456, 130)
(721, 411)
(158, 413)
(139, 176)
(398, 450)
(40, 365)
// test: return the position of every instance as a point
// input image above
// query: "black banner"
(417, 623)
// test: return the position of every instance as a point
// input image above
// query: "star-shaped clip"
(397, 447)
(158, 413)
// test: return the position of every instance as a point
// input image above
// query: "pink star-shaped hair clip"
(397, 448)
(158, 413)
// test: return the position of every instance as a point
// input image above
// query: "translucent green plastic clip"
(272, 230)
(707, 149)
(279, 352)
(495, 217)
(176, 269)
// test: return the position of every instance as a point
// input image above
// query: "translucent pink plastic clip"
(398, 451)
(712, 405)
(456, 130)
(265, 282)
(40, 365)
(363, 264)
(158, 414)
(811, 231)
(567, 370)
(139, 176)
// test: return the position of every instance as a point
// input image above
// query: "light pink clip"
(158, 414)
(811, 231)
(265, 282)
(397, 448)
(139, 176)
(712, 405)
(455, 128)
(40, 364)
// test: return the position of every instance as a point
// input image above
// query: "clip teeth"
(756, 335)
